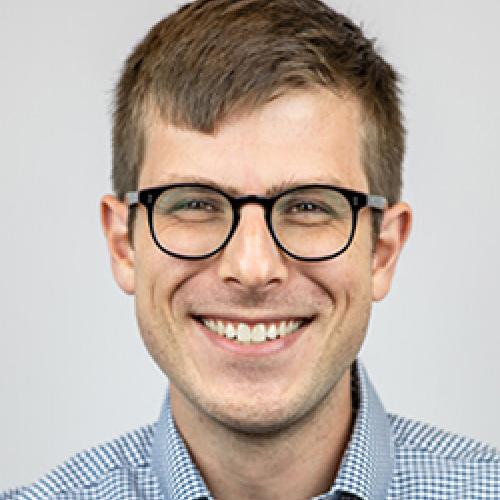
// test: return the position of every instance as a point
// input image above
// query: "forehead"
(300, 137)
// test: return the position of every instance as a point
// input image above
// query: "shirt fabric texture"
(388, 457)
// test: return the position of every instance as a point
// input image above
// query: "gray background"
(73, 370)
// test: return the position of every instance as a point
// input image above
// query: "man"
(257, 171)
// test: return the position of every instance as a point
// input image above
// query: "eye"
(194, 205)
(306, 206)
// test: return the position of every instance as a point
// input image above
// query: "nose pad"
(251, 257)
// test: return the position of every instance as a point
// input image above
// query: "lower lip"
(261, 349)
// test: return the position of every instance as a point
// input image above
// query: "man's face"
(306, 137)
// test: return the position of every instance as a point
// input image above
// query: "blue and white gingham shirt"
(388, 457)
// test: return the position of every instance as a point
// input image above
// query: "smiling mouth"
(255, 333)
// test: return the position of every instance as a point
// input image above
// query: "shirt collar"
(365, 470)
(177, 474)
(367, 465)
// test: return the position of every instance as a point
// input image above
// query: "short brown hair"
(214, 58)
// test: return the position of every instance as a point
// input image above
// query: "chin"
(259, 426)
(257, 417)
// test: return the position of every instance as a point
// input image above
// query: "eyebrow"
(271, 191)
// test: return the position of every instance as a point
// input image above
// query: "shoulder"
(118, 466)
(432, 461)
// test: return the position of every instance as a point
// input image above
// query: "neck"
(299, 462)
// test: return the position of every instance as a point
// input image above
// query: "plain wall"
(73, 370)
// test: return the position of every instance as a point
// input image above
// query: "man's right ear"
(114, 215)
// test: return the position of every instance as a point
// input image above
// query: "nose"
(251, 259)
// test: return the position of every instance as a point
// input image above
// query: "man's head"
(253, 96)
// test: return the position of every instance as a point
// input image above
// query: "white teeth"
(230, 331)
(272, 332)
(282, 328)
(244, 333)
(220, 328)
(257, 334)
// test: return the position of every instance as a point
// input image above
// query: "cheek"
(157, 278)
(349, 286)
(355, 265)
(347, 282)
(347, 276)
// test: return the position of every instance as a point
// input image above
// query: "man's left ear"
(394, 230)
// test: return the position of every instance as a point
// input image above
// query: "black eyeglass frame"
(356, 199)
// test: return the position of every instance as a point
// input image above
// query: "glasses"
(313, 222)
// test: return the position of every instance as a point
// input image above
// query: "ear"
(394, 231)
(114, 214)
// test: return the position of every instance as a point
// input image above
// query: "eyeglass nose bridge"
(265, 203)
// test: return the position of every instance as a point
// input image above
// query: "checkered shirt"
(388, 457)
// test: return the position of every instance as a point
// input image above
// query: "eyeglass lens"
(308, 222)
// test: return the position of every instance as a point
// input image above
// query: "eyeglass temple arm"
(132, 198)
(376, 201)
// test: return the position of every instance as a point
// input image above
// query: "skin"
(272, 426)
